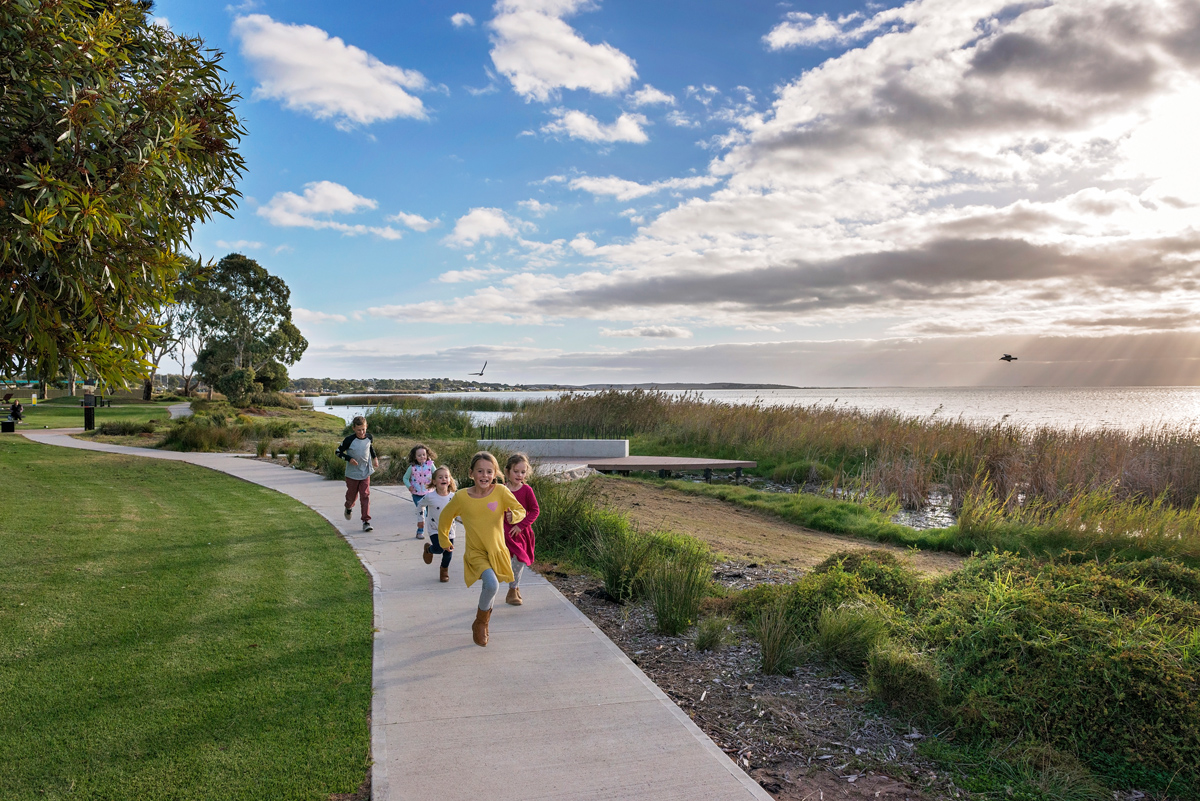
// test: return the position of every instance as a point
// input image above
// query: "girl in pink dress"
(519, 536)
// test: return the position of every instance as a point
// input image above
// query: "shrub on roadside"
(881, 572)
(712, 633)
(848, 634)
(276, 399)
(804, 600)
(261, 448)
(620, 554)
(330, 465)
(904, 680)
(125, 428)
(675, 585)
(778, 644)
(204, 434)
(309, 452)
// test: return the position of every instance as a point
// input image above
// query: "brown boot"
(513, 597)
(479, 629)
(444, 574)
(427, 555)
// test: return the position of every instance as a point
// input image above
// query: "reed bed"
(896, 453)
(418, 402)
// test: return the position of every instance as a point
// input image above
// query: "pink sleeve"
(532, 510)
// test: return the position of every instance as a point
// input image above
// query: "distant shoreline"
(719, 385)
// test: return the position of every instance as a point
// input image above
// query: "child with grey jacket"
(358, 450)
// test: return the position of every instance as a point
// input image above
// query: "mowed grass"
(169, 632)
(63, 414)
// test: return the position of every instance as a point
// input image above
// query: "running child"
(358, 450)
(484, 508)
(417, 478)
(518, 537)
(443, 489)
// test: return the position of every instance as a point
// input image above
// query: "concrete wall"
(562, 448)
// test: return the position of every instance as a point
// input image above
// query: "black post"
(89, 418)
(708, 475)
(737, 475)
(663, 474)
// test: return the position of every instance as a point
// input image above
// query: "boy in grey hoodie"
(358, 450)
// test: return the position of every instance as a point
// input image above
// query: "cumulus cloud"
(320, 200)
(414, 221)
(536, 207)
(539, 53)
(482, 223)
(310, 71)
(471, 274)
(462, 20)
(800, 29)
(623, 189)
(580, 125)
(649, 331)
(306, 316)
(649, 96)
(583, 245)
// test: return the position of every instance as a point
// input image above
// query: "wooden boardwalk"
(668, 464)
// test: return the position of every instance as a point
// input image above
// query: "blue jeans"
(435, 546)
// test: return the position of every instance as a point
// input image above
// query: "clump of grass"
(881, 572)
(419, 423)
(291, 453)
(204, 434)
(262, 447)
(620, 554)
(847, 635)
(713, 633)
(904, 680)
(330, 465)
(675, 585)
(801, 472)
(310, 451)
(778, 644)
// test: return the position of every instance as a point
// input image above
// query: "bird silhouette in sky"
(1008, 357)
(481, 369)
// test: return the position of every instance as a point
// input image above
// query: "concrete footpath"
(551, 708)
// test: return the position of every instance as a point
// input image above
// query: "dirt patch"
(807, 736)
(745, 534)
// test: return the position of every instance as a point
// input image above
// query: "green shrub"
(330, 465)
(1078, 659)
(619, 554)
(569, 519)
(802, 472)
(1161, 574)
(712, 633)
(904, 680)
(847, 635)
(204, 434)
(274, 449)
(276, 399)
(125, 428)
(425, 422)
(675, 585)
(779, 647)
(309, 452)
(261, 448)
(291, 453)
(881, 572)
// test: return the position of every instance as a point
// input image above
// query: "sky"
(808, 193)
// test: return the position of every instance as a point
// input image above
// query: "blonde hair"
(453, 483)
(482, 456)
(515, 460)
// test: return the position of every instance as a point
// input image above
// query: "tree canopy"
(116, 137)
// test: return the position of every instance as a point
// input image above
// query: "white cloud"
(320, 199)
(462, 19)
(650, 331)
(473, 274)
(414, 221)
(800, 29)
(306, 316)
(579, 125)
(536, 207)
(540, 54)
(484, 223)
(161, 22)
(623, 189)
(283, 249)
(240, 244)
(310, 71)
(681, 120)
(649, 96)
(582, 245)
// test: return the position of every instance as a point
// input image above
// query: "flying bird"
(481, 369)
(1008, 357)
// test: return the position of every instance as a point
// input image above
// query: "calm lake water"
(1127, 408)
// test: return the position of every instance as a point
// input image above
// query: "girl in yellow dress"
(483, 509)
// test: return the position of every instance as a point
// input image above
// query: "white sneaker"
(367, 526)
(347, 511)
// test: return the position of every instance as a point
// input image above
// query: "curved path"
(551, 709)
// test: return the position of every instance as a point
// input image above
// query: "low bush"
(806, 599)
(712, 633)
(779, 647)
(310, 451)
(802, 472)
(675, 585)
(204, 434)
(847, 635)
(125, 428)
(619, 555)
(330, 465)
(881, 572)
(275, 399)
(424, 422)
(904, 680)
(262, 447)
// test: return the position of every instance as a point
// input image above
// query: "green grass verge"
(53, 414)
(169, 632)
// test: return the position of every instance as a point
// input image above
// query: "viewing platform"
(668, 464)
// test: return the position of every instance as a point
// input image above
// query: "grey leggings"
(517, 567)
(491, 585)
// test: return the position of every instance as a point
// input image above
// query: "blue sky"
(807, 193)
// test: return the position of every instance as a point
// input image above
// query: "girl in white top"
(443, 488)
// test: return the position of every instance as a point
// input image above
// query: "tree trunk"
(71, 381)
(148, 389)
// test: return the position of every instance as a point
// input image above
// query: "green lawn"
(168, 632)
(67, 413)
